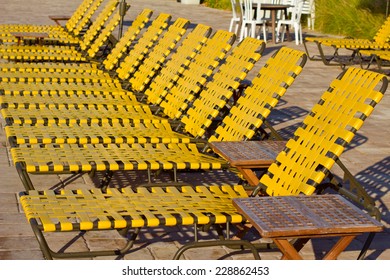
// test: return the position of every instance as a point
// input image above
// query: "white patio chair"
(236, 16)
(252, 18)
(294, 22)
(309, 10)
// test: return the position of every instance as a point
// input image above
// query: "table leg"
(249, 175)
(287, 27)
(339, 247)
(288, 250)
(273, 25)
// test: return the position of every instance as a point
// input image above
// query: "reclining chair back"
(258, 100)
(323, 135)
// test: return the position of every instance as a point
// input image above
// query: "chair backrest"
(158, 55)
(248, 13)
(196, 74)
(217, 92)
(175, 66)
(122, 46)
(308, 7)
(263, 94)
(324, 133)
(383, 34)
(143, 45)
(236, 9)
(87, 17)
(78, 14)
(104, 35)
(296, 11)
(98, 24)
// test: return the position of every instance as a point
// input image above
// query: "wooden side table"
(57, 19)
(249, 155)
(305, 217)
(38, 36)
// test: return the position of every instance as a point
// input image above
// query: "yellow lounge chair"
(380, 41)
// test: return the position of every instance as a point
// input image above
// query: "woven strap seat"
(118, 209)
(43, 57)
(94, 133)
(79, 113)
(112, 157)
(48, 67)
(42, 88)
(43, 77)
(69, 97)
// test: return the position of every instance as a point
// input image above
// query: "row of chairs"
(63, 125)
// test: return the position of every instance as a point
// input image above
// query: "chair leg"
(283, 31)
(231, 26)
(265, 33)
(296, 30)
(243, 32)
(253, 30)
(300, 34)
(278, 32)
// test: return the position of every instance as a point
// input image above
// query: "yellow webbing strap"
(93, 133)
(118, 209)
(143, 45)
(98, 24)
(85, 19)
(104, 35)
(325, 132)
(196, 74)
(157, 56)
(40, 101)
(66, 158)
(174, 68)
(78, 113)
(127, 39)
(62, 89)
(48, 67)
(219, 90)
(78, 15)
(262, 95)
(383, 35)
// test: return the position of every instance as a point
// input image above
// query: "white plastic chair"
(252, 19)
(294, 22)
(309, 9)
(236, 16)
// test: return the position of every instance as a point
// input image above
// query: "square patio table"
(282, 218)
(38, 36)
(247, 156)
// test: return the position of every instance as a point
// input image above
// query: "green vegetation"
(355, 18)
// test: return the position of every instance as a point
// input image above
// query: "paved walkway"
(368, 157)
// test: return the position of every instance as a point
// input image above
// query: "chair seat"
(118, 209)
(113, 157)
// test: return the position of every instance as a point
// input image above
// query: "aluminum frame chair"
(379, 42)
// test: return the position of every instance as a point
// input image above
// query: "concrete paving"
(368, 158)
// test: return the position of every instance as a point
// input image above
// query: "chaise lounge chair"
(353, 46)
